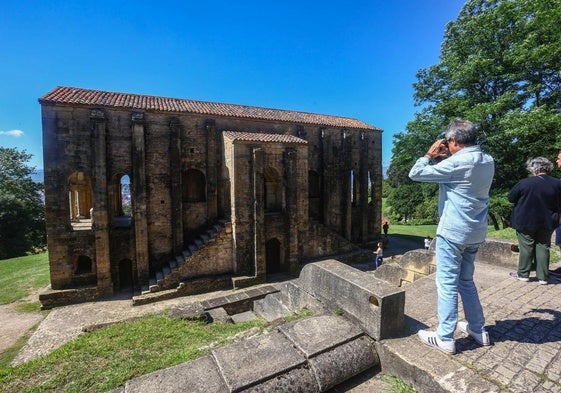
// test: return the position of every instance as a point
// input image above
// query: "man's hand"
(438, 149)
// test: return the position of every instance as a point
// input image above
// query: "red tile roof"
(254, 137)
(76, 96)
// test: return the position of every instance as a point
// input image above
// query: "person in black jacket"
(535, 215)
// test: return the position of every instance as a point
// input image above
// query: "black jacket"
(537, 202)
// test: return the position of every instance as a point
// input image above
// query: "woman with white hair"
(535, 215)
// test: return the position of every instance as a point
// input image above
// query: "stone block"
(219, 315)
(256, 360)
(270, 308)
(319, 334)
(189, 311)
(244, 317)
(198, 376)
(343, 362)
(296, 299)
(300, 379)
(377, 306)
(498, 252)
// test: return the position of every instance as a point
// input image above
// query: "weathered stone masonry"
(259, 190)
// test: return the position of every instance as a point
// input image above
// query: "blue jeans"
(454, 274)
(378, 261)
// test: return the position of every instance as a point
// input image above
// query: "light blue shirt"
(464, 180)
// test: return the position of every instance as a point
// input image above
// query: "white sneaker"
(542, 282)
(430, 338)
(481, 338)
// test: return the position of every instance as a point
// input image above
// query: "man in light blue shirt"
(464, 178)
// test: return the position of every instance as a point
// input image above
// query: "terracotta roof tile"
(255, 137)
(77, 96)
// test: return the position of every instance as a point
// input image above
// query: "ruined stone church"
(166, 194)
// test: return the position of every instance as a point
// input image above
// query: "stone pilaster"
(176, 219)
(140, 197)
(100, 213)
(363, 184)
(212, 170)
(258, 210)
(291, 188)
(345, 170)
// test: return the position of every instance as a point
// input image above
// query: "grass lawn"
(105, 359)
(23, 275)
(420, 231)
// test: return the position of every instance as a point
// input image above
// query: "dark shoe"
(515, 275)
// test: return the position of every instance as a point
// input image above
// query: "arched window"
(83, 265)
(194, 186)
(354, 188)
(122, 201)
(80, 200)
(273, 190)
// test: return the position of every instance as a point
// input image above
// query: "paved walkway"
(524, 323)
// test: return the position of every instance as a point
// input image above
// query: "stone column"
(212, 170)
(345, 168)
(291, 189)
(363, 184)
(258, 210)
(176, 191)
(140, 198)
(100, 213)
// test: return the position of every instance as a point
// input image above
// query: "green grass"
(397, 384)
(105, 359)
(22, 276)
(420, 231)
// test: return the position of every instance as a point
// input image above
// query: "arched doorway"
(273, 256)
(125, 275)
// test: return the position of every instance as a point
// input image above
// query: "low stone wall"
(420, 263)
(375, 305)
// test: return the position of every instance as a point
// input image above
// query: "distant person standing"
(428, 241)
(379, 255)
(385, 227)
(464, 178)
(537, 200)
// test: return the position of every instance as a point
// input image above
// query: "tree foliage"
(22, 216)
(500, 67)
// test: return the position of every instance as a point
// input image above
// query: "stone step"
(271, 308)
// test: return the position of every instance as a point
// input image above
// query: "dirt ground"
(14, 325)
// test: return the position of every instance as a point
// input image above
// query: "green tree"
(22, 213)
(500, 67)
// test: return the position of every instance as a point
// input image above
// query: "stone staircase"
(175, 274)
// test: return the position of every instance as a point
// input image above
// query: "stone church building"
(165, 194)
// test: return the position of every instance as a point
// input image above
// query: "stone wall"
(159, 151)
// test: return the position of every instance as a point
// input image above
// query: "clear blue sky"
(356, 59)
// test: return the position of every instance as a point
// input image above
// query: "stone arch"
(194, 186)
(83, 265)
(80, 200)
